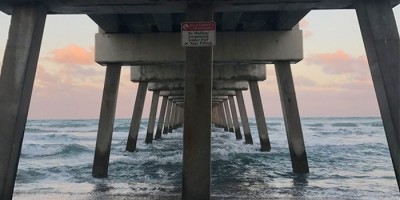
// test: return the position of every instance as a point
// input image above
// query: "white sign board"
(198, 34)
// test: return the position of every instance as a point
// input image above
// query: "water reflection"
(300, 184)
(101, 191)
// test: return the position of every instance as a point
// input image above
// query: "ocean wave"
(72, 123)
(42, 150)
(344, 124)
(274, 124)
(36, 130)
(315, 125)
(374, 124)
(122, 128)
(350, 162)
(30, 175)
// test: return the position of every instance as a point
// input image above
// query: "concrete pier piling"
(291, 116)
(229, 116)
(161, 118)
(382, 44)
(152, 117)
(172, 118)
(248, 139)
(167, 117)
(16, 83)
(236, 124)
(259, 114)
(196, 184)
(219, 117)
(106, 121)
(136, 117)
(223, 117)
(175, 117)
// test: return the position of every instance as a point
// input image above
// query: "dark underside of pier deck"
(145, 35)
(153, 16)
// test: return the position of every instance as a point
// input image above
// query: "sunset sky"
(332, 80)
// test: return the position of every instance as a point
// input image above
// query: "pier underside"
(192, 81)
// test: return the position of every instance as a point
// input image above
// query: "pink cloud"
(340, 62)
(73, 54)
(304, 25)
(62, 95)
(303, 81)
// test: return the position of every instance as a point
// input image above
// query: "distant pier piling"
(229, 116)
(136, 117)
(152, 117)
(236, 124)
(167, 117)
(260, 117)
(243, 116)
(161, 118)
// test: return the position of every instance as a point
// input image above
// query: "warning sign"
(198, 34)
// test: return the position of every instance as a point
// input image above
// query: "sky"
(333, 79)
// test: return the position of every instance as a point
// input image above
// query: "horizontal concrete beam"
(176, 97)
(173, 85)
(231, 47)
(230, 85)
(218, 100)
(235, 72)
(182, 98)
(182, 101)
(217, 85)
(220, 97)
(181, 93)
(168, 6)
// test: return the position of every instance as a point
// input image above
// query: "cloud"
(73, 55)
(340, 63)
(304, 81)
(304, 25)
(71, 90)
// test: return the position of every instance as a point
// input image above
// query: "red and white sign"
(198, 34)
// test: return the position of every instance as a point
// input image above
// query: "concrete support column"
(106, 121)
(243, 115)
(152, 117)
(167, 117)
(161, 118)
(217, 118)
(175, 117)
(172, 118)
(181, 117)
(136, 117)
(382, 44)
(223, 117)
(292, 117)
(213, 115)
(16, 83)
(259, 114)
(235, 118)
(178, 115)
(196, 184)
(228, 116)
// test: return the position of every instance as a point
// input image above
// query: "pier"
(200, 84)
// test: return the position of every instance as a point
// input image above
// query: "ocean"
(348, 159)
